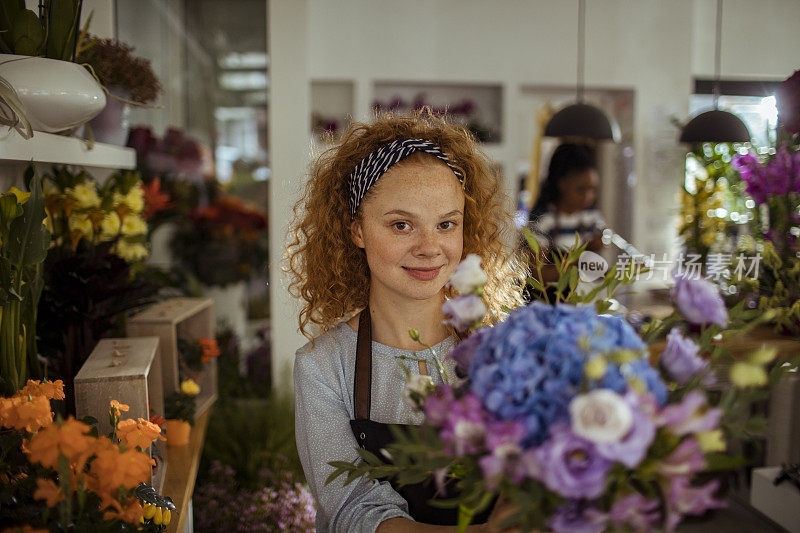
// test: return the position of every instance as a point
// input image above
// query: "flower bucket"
(178, 432)
(113, 124)
(56, 95)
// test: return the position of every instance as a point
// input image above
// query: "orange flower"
(48, 491)
(138, 433)
(210, 349)
(119, 406)
(112, 469)
(132, 514)
(25, 412)
(70, 439)
(52, 390)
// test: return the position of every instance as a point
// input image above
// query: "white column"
(289, 107)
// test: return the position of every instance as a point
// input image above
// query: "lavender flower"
(462, 352)
(571, 465)
(699, 301)
(465, 311)
(503, 441)
(685, 460)
(680, 357)
(576, 517)
(462, 420)
(632, 449)
(690, 416)
(684, 499)
(636, 512)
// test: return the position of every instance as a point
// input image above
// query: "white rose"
(417, 389)
(600, 416)
(468, 275)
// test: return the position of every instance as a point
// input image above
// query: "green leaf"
(27, 34)
(8, 11)
(29, 239)
(9, 210)
(533, 243)
(722, 461)
(369, 457)
(63, 26)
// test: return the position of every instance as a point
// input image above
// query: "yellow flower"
(763, 356)
(595, 368)
(85, 195)
(81, 224)
(190, 387)
(22, 197)
(711, 441)
(134, 200)
(745, 375)
(110, 225)
(134, 225)
(131, 252)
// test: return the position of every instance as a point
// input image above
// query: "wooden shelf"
(50, 148)
(182, 465)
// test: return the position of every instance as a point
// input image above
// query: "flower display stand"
(129, 371)
(184, 318)
(781, 503)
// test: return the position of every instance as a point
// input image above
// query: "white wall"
(654, 47)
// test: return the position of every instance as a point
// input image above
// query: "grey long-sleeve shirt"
(323, 380)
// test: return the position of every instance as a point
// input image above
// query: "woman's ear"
(356, 233)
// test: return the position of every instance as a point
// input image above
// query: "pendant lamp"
(581, 119)
(715, 126)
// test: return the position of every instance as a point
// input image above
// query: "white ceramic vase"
(56, 95)
(113, 124)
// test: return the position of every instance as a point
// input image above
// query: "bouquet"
(563, 411)
(61, 476)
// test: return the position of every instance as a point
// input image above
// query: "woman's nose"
(427, 244)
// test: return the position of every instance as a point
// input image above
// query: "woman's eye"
(401, 226)
(448, 225)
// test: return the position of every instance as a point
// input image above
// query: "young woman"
(386, 217)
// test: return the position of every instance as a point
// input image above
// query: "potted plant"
(128, 80)
(179, 413)
(37, 74)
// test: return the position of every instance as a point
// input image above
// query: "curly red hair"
(330, 273)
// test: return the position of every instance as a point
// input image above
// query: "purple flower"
(576, 517)
(680, 357)
(465, 311)
(692, 415)
(636, 512)
(699, 301)
(571, 465)
(685, 460)
(462, 420)
(631, 450)
(684, 499)
(462, 352)
(503, 441)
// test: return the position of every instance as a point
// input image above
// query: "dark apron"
(373, 436)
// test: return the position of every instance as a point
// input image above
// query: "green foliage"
(179, 406)
(264, 437)
(23, 248)
(53, 35)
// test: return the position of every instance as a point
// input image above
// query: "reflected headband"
(378, 162)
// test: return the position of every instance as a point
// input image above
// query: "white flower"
(85, 196)
(417, 389)
(468, 276)
(600, 416)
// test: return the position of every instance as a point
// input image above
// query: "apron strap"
(362, 386)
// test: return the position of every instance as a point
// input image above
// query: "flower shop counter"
(182, 464)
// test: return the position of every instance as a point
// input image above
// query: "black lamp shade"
(582, 120)
(715, 126)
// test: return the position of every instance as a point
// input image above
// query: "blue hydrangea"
(530, 366)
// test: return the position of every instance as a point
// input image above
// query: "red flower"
(155, 199)
(788, 99)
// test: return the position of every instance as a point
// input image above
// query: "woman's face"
(411, 229)
(578, 190)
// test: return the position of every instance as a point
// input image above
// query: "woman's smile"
(423, 274)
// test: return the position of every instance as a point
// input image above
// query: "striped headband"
(378, 162)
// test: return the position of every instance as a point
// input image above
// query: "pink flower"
(685, 460)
